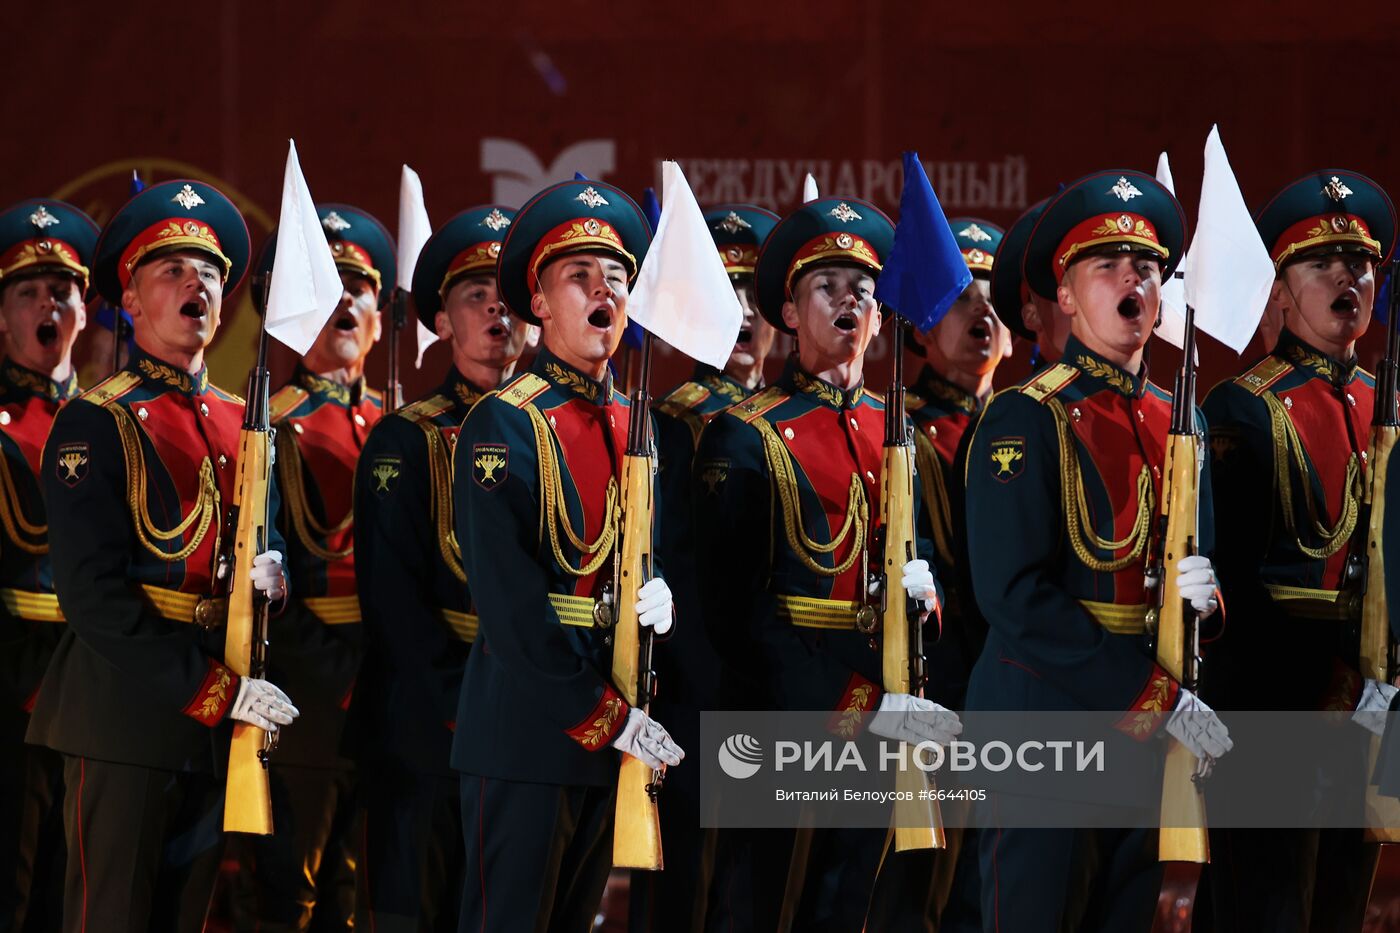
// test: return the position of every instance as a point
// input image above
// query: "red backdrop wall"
(492, 101)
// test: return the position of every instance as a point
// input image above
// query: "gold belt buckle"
(209, 613)
(867, 620)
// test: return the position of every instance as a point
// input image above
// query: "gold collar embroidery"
(41, 386)
(1324, 366)
(574, 382)
(169, 375)
(319, 385)
(824, 391)
(1107, 372)
(724, 387)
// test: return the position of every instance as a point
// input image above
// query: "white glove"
(918, 583)
(263, 705)
(1375, 703)
(1195, 725)
(646, 740)
(654, 606)
(913, 719)
(267, 575)
(1195, 580)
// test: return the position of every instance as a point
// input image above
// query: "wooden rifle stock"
(918, 820)
(1183, 836)
(637, 827)
(398, 314)
(247, 800)
(1377, 651)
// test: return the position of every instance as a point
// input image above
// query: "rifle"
(1183, 842)
(1183, 835)
(247, 800)
(1377, 654)
(398, 315)
(637, 829)
(918, 818)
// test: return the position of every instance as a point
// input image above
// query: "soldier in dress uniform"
(962, 353)
(1025, 311)
(804, 454)
(536, 486)
(139, 473)
(1289, 442)
(46, 252)
(688, 672)
(1064, 596)
(419, 621)
(322, 418)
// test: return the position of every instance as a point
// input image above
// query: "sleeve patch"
(71, 463)
(214, 696)
(490, 464)
(603, 723)
(1148, 712)
(1007, 458)
(861, 696)
(713, 473)
(385, 473)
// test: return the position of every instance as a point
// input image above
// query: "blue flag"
(107, 316)
(1382, 305)
(925, 271)
(579, 176)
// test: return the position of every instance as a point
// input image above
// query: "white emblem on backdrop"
(517, 174)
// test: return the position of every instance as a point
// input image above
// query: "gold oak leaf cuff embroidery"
(602, 724)
(860, 697)
(211, 701)
(1148, 712)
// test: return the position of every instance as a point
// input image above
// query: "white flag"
(809, 189)
(414, 230)
(1173, 326)
(682, 294)
(305, 286)
(1228, 271)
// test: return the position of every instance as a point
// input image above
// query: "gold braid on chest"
(29, 537)
(1288, 449)
(206, 507)
(935, 493)
(292, 480)
(440, 479)
(1078, 520)
(554, 511)
(790, 500)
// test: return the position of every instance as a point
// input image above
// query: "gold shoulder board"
(685, 395)
(425, 409)
(523, 390)
(752, 408)
(284, 400)
(112, 388)
(1257, 379)
(1050, 382)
